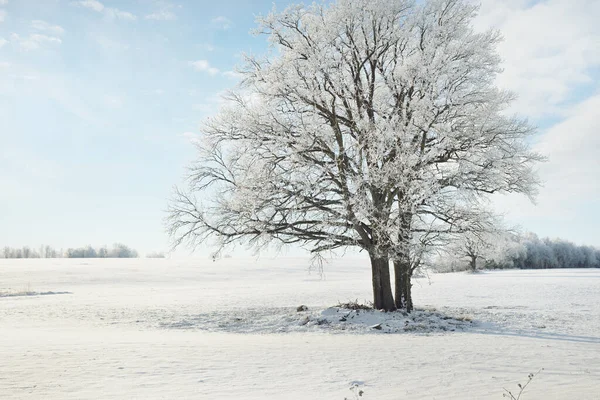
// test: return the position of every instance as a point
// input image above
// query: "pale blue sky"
(98, 100)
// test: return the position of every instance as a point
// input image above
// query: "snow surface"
(195, 329)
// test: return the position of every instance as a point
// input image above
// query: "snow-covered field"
(195, 329)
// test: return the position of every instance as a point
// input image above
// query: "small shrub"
(507, 393)
(357, 392)
(355, 305)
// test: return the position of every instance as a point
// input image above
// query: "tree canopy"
(371, 123)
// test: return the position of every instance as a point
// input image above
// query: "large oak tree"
(371, 123)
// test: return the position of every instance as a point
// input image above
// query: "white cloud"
(113, 13)
(3, 2)
(4, 64)
(192, 137)
(551, 53)
(221, 22)
(549, 49)
(572, 149)
(570, 178)
(204, 66)
(34, 41)
(210, 103)
(232, 74)
(91, 4)
(162, 15)
(2, 15)
(46, 27)
(118, 14)
(3, 42)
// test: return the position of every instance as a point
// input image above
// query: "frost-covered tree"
(508, 250)
(471, 249)
(553, 253)
(102, 252)
(90, 252)
(492, 245)
(50, 252)
(120, 250)
(26, 252)
(371, 123)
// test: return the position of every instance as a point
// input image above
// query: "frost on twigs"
(517, 395)
(373, 124)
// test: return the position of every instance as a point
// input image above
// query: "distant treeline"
(531, 252)
(118, 250)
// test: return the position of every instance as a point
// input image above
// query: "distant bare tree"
(475, 247)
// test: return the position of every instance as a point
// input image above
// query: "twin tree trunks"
(383, 299)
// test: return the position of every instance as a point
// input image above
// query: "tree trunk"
(473, 263)
(403, 292)
(402, 264)
(382, 286)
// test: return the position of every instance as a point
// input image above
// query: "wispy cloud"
(163, 15)
(221, 22)
(34, 41)
(206, 46)
(550, 49)
(551, 53)
(3, 2)
(204, 66)
(3, 42)
(572, 149)
(110, 12)
(118, 14)
(192, 137)
(91, 4)
(210, 104)
(232, 74)
(571, 174)
(43, 26)
(2, 15)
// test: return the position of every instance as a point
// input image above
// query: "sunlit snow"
(194, 329)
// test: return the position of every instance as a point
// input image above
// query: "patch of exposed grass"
(355, 305)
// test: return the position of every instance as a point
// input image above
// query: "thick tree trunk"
(402, 265)
(403, 285)
(382, 286)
